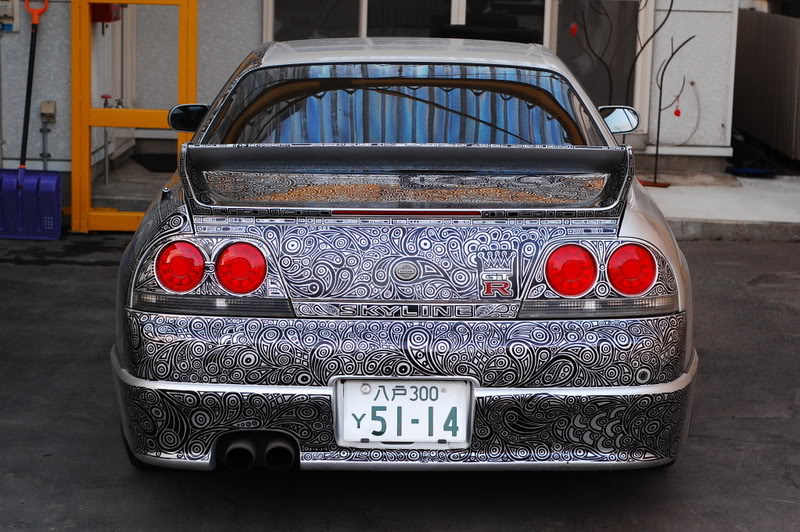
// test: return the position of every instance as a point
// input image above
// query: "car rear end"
(403, 304)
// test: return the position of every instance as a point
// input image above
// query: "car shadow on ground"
(439, 499)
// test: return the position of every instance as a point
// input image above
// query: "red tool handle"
(36, 13)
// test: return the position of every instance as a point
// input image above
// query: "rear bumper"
(175, 424)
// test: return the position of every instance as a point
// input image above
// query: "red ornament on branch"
(573, 29)
(677, 112)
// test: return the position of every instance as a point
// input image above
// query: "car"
(403, 253)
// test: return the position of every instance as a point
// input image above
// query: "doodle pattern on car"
(146, 279)
(330, 261)
(165, 216)
(441, 190)
(185, 424)
(531, 428)
(613, 352)
(665, 283)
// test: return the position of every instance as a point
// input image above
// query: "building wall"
(226, 35)
(51, 82)
(228, 31)
(707, 62)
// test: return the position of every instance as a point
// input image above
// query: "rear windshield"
(403, 103)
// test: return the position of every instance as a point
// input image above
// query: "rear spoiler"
(562, 161)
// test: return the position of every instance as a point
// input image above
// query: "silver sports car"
(403, 253)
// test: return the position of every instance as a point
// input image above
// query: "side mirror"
(620, 118)
(187, 117)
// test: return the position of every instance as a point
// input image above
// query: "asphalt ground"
(63, 466)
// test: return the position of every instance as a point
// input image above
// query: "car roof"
(410, 50)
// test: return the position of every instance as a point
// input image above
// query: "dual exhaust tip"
(275, 453)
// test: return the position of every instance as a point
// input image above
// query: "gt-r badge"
(497, 268)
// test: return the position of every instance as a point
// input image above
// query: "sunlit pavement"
(63, 465)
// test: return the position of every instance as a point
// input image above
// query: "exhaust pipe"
(240, 455)
(279, 454)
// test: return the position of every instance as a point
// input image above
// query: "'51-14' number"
(450, 423)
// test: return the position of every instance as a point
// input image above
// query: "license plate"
(419, 413)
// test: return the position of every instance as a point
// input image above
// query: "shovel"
(30, 201)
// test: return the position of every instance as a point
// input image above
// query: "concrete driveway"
(63, 466)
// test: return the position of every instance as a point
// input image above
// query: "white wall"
(226, 34)
(51, 82)
(704, 127)
(156, 57)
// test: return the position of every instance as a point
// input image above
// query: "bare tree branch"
(594, 53)
(677, 96)
(662, 71)
(639, 53)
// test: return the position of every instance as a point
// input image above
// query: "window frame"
(214, 114)
(458, 10)
(458, 15)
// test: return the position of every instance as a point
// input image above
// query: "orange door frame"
(85, 217)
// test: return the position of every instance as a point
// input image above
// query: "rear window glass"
(403, 103)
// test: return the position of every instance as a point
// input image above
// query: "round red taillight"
(180, 266)
(241, 268)
(571, 270)
(632, 269)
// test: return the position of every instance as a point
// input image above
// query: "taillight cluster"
(631, 269)
(240, 267)
(180, 266)
(572, 271)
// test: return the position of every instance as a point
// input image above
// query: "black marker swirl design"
(550, 428)
(185, 425)
(617, 352)
(508, 428)
(354, 260)
(665, 283)
(486, 311)
(342, 190)
(166, 217)
(145, 280)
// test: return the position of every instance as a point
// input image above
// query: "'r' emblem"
(497, 271)
(497, 288)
